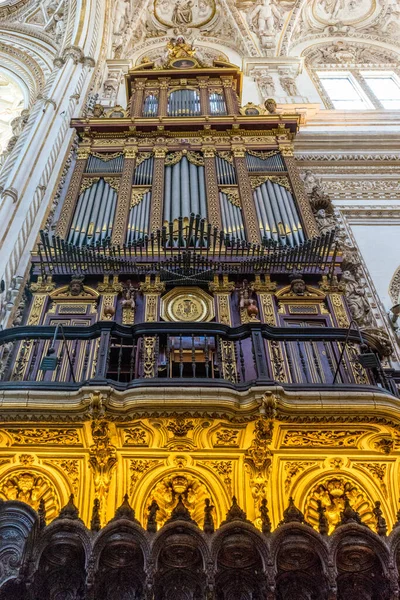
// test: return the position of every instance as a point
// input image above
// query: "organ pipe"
(94, 215)
(138, 219)
(184, 103)
(144, 172)
(277, 214)
(226, 174)
(217, 104)
(263, 164)
(232, 221)
(150, 108)
(184, 190)
(95, 164)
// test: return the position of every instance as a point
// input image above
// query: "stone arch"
(180, 555)
(362, 562)
(119, 561)
(240, 557)
(200, 485)
(17, 522)
(301, 559)
(60, 560)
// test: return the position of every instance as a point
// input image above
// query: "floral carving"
(180, 427)
(71, 468)
(64, 437)
(102, 460)
(135, 436)
(293, 468)
(227, 437)
(138, 468)
(336, 437)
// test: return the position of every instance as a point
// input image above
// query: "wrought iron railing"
(200, 354)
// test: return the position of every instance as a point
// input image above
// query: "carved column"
(246, 195)
(152, 292)
(138, 98)
(307, 216)
(163, 97)
(157, 194)
(222, 290)
(124, 196)
(64, 222)
(204, 103)
(265, 295)
(232, 106)
(214, 210)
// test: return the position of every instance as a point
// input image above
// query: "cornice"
(364, 405)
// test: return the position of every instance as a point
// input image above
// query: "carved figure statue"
(356, 299)
(261, 19)
(245, 294)
(270, 105)
(76, 286)
(122, 16)
(324, 221)
(265, 82)
(98, 111)
(182, 13)
(128, 294)
(298, 285)
(333, 7)
(289, 85)
(59, 30)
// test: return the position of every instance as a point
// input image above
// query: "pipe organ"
(187, 346)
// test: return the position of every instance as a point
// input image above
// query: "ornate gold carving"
(184, 486)
(138, 467)
(223, 468)
(224, 312)
(172, 158)
(151, 307)
(39, 301)
(332, 493)
(378, 471)
(258, 455)
(38, 437)
(263, 285)
(321, 438)
(180, 427)
(110, 287)
(278, 365)
(339, 310)
(257, 180)
(160, 151)
(108, 307)
(208, 151)
(152, 287)
(292, 469)
(286, 149)
(142, 156)
(87, 182)
(135, 436)
(221, 285)
(228, 359)
(31, 487)
(124, 197)
(44, 285)
(213, 203)
(187, 304)
(137, 194)
(232, 193)
(149, 356)
(267, 309)
(130, 152)
(227, 437)
(70, 467)
(151, 290)
(102, 460)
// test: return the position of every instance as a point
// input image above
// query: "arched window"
(11, 105)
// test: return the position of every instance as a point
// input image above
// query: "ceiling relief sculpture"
(348, 12)
(186, 13)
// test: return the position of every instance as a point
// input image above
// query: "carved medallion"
(184, 13)
(187, 305)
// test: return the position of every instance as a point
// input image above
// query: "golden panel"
(190, 304)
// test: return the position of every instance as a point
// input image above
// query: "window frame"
(354, 81)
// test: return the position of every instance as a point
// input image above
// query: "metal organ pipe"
(94, 214)
(278, 215)
(139, 214)
(262, 165)
(232, 221)
(97, 165)
(184, 190)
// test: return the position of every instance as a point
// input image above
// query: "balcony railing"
(189, 354)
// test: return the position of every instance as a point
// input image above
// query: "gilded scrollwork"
(331, 437)
(42, 436)
(31, 487)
